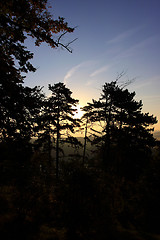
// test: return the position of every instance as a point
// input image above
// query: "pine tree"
(60, 111)
(121, 119)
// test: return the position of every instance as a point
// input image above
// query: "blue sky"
(113, 36)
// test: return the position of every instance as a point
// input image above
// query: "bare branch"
(120, 75)
(125, 83)
(66, 46)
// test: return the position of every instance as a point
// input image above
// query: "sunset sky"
(113, 36)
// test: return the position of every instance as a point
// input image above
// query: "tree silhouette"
(121, 119)
(46, 129)
(19, 110)
(60, 111)
(132, 121)
(19, 20)
(102, 113)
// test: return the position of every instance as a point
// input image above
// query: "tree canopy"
(89, 201)
(18, 21)
(120, 119)
(62, 111)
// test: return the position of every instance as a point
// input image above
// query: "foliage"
(20, 20)
(121, 119)
(57, 122)
(35, 21)
(62, 109)
(87, 201)
(19, 112)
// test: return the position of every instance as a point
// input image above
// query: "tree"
(45, 130)
(19, 20)
(102, 113)
(59, 113)
(131, 121)
(121, 118)
(19, 112)
(35, 21)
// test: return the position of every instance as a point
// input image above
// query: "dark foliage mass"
(52, 184)
(18, 20)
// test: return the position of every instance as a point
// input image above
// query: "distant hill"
(156, 134)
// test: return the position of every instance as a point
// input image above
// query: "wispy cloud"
(100, 70)
(70, 73)
(73, 70)
(124, 35)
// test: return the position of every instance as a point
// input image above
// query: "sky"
(113, 36)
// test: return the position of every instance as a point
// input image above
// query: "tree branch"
(66, 46)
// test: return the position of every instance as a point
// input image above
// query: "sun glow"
(79, 113)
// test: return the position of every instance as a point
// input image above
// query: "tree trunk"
(49, 152)
(106, 153)
(57, 144)
(57, 155)
(85, 142)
